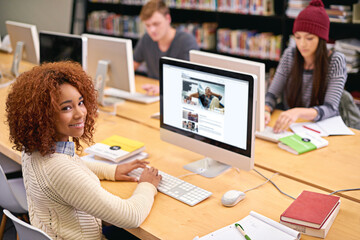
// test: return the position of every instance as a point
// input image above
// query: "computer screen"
(241, 65)
(210, 111)
(118, 53)
(56, 47)
(24, 42)
(111, 59)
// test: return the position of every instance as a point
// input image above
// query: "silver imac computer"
(24, 42)
(56, 47)
(241, 65)
(210, 111)
(111, 59)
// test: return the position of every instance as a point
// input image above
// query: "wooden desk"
(331, 168)
(140, 112)
(171, 219)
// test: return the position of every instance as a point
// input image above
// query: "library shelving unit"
(278, 24)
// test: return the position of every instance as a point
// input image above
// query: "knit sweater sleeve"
(102, 170)
(281, 75)
(337, 76)
(75, 186)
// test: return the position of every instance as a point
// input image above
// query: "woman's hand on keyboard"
(150, 175)
(123, 169)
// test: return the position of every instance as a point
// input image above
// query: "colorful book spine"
(114, 24)
(249, 43)
(205, 33)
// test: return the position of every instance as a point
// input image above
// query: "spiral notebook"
(257, 227)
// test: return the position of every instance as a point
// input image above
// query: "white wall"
(51, 15)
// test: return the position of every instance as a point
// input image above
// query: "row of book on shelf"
(237, 42)
(255, 7)
(115, 24)
(249, 43)
(337, 13)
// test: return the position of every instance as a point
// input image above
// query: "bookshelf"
(278, 23)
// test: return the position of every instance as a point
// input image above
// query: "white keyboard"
(269, 135)
(177, 188)
(137, 97)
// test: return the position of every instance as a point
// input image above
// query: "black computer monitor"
(56, 47)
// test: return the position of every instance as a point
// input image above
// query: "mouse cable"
(261, 183)
(344, 190)
(273, 184)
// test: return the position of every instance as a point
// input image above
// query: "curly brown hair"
(32, 105)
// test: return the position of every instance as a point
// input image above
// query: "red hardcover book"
(310, 209)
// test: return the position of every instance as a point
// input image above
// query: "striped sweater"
(336, 80)
(66, 200)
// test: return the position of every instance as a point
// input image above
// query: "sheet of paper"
(259, 228)
(308, 128)
(335, 126)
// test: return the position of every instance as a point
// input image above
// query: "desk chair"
(24, 230)
(12, 197)
(8, 165)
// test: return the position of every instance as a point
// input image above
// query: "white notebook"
(257, 227)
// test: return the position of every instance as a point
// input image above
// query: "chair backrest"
(8, 165)
(25, 230)
(10, 198)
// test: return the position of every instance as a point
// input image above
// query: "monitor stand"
(207, 167)
(17, 58)
(99, 83)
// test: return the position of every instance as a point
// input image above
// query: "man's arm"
(136, 65)
(196, 95)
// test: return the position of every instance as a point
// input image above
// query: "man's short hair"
(151, 7)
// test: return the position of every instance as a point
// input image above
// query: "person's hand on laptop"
(151, 89)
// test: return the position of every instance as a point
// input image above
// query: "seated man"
(209, 100)
(160, 40)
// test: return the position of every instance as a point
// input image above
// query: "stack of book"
(116, 148)
(312, 213)
(340, 13)
(295, 7)
(351, 49)
(205, 33)
(114, 24)
(249, 43)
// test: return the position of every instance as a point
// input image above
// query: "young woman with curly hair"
(47, 106)
(310, 78)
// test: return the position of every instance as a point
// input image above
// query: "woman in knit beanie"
(310, 79)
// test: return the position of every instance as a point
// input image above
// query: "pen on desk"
(311, 129)
(240, 228)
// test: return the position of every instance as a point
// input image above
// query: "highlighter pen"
(240, 228)
(311, 129)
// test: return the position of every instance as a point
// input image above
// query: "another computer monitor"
(56, 47)
(111, 59)
(220, 125)
(24, 42)
(240, 65)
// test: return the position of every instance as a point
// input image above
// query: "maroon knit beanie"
(313, 19)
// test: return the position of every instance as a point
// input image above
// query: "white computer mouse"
(232, 197)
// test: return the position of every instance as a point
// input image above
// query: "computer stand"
(207, 167)
(17, 58)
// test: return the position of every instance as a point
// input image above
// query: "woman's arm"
(290, 116)
(282, 73)
(78, 189)
(337, 76)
